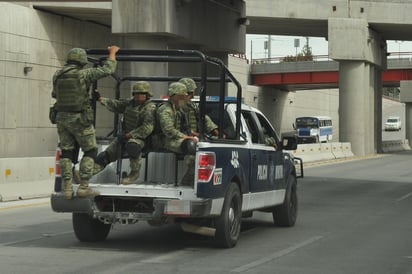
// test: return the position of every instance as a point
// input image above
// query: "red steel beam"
(321, 77)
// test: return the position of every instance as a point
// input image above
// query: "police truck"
(246, 168)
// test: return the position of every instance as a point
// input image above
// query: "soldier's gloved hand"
(96, 95)
(122, 138)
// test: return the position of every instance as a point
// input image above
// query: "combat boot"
(130, 178)
(76, 177)
(189, 178)
(68, 189)
(102, 160)
(85, 191)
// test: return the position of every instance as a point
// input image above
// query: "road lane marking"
(6, 207)
(170, 257)
(275, 255)
(44, 236)
(404, 197)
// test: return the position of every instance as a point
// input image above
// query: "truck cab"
(245, 168)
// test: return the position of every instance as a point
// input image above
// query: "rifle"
(120, 149)
(184, 124)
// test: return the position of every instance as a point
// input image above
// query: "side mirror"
(289, 143)
(293, 125)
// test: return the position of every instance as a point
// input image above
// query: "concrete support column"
(408, 121)
(148, 68)
(406, 97)
(360, 83)
(356, 105)
(210, 26)
(378, 109)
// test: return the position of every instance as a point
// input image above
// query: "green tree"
(391, 92)
(304, 55)
(307, 50)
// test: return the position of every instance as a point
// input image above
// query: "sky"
(285, 45)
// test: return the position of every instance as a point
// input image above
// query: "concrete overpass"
(356, 30)
(388, 18)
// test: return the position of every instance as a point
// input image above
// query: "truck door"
(276, 159)
(266, 162)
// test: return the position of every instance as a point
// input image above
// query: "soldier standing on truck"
(74, 117)
(171, 122)
(138, 123)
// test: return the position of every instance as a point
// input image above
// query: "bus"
(313, 129)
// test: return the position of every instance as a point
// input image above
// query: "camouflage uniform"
(75, 125)
(172, 137)
(192, 110)
(170, 124)
(138, 120)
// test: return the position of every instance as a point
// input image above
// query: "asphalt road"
(354, 217)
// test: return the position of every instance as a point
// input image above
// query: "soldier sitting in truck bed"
(170, 120)
(139, 119)
(192, 111)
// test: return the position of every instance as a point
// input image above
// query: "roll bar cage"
(97, 56)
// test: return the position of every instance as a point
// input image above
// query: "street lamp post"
(297, 44)
(399, 48)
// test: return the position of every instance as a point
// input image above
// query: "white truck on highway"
(236, 173)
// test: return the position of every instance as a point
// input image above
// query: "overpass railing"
(320, 58)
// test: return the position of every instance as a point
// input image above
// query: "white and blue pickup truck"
(236, 173)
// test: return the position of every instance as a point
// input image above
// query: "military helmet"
(77, 56)
(177, 88)
(142, 87)
(189, 83)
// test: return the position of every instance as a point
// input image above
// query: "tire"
(88, 229)
(229, 223)
(286, 214)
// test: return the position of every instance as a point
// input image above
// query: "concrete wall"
(211, 25)
(40, 41)
(33, 39)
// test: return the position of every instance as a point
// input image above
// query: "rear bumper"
(392, 128)
(135, 209)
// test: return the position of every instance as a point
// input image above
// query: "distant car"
(393, 123)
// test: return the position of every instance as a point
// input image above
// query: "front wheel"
(286, 213)
(228, 224)
(89, 229)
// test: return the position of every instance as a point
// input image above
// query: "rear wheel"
(228, 224)
(89, 229)
(286, 213)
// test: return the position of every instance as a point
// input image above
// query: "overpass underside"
(357, 32)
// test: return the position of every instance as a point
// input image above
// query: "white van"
(393, 123)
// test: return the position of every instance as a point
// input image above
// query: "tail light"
(206, 166)
(58, 169)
